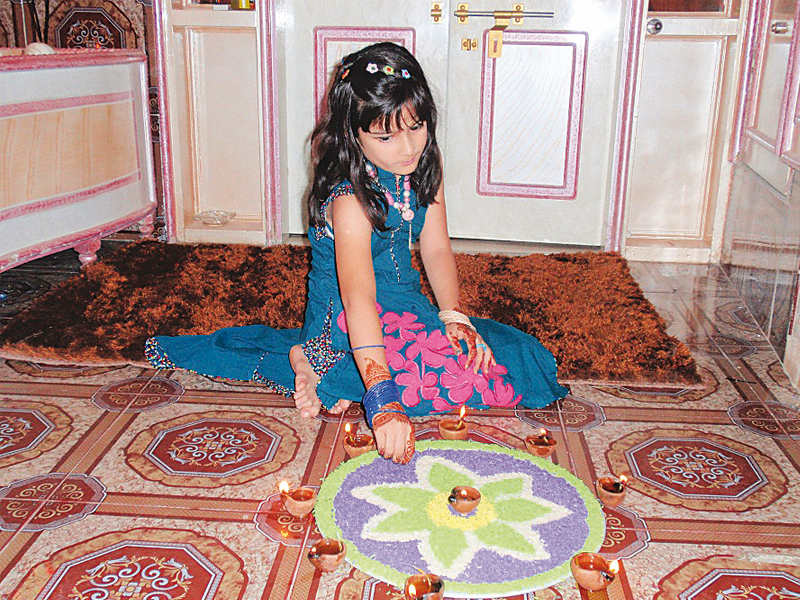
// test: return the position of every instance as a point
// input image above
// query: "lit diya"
(424, 586)
(611, 490)
(356, 444)
(464, 499)
(592, 571)
(450, 429)
(298, 501)
(541, 444)
(327, 554)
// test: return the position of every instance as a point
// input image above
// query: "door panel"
(543, 116)
(682, 114)
(674, 140)
(534, 156)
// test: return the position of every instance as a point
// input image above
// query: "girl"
(370, 335)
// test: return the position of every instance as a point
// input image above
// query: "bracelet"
(453, 316)
(379, 395)
(365, 347)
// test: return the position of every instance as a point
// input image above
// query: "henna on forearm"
(375, 373)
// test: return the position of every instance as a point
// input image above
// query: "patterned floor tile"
(189, 451)
(691, 471)
(707, 570)
(129, 557)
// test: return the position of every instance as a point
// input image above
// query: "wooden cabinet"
(220, 148)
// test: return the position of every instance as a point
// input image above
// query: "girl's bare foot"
(305, 386)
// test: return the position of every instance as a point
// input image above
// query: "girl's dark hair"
(356, 99)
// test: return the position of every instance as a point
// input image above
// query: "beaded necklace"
(403, 208)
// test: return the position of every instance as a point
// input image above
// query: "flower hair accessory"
(388, 70)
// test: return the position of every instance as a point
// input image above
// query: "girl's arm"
(440, 267)
(437, 255)
(352, 241)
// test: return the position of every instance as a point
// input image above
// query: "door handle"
(654, 26)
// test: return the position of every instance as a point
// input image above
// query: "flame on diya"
(450, 429)
(298, 501)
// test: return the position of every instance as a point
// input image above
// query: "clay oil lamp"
(358, 443)
(450, 429)
(611, 490)
(541, 444)
(464, 499)
(592, 571)
(424, 586)
(298, 501)
(327, 554)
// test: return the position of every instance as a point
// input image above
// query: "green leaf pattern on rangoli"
(504, 522)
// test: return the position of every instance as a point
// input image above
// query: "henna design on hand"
(382, 418)
(455, 343)
(375, 373)
(409, 453)
(470, 336)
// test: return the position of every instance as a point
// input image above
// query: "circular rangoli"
(533, 517)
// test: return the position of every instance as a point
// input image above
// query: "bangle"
(379, 395)
(365, 347)
(453, 316)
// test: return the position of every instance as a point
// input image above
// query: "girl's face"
(398, 150)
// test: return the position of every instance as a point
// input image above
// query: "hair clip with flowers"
(388, 70)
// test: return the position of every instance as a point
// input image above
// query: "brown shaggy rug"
(585, 307)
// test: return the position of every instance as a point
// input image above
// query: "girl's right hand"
(394, 435)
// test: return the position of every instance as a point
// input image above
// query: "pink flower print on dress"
(393, 355)
(341, 320)
(497, 372)
(416, 386)
(442, 405)
(434, 348)
(461, 382)
(501, 395)
(407, 324)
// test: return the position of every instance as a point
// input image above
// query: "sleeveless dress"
(430, 376)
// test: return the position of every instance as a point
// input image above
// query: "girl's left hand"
(478, 352)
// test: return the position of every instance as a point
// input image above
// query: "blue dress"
(430, 376)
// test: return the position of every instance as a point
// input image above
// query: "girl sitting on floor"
(370, 335)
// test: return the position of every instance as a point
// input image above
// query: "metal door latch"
(502, 20)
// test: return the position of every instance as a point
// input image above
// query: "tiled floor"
(92, 505)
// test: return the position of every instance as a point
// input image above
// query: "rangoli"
(533, 517)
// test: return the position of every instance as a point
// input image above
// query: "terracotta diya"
(592, 571)
(541, 444)
(298, 501)
(450, 429)
(464, 499)
(327, 554)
